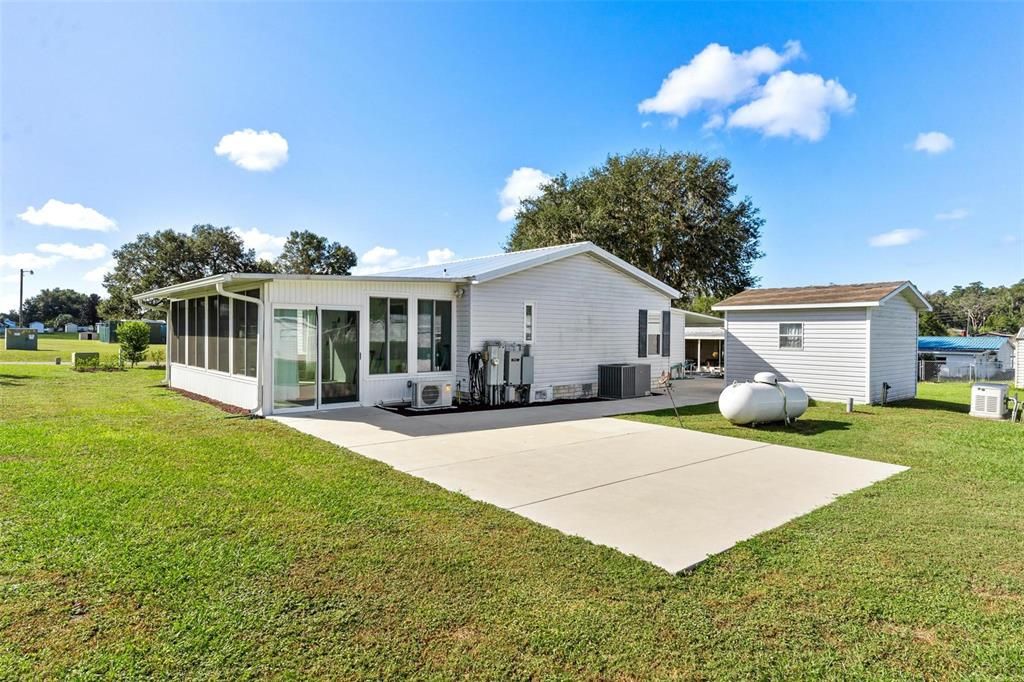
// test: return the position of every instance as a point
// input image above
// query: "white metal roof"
(485, 268)
(474, 270)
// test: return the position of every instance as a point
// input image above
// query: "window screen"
(389, 335)
(653, 335)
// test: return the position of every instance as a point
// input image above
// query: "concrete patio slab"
(667, 495)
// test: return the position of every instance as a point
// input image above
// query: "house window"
(218, 332)
(791, 335)
(653, 335)
(433, 336)
(196, 332)
(528, 323)
(389, 335)
(177, 332)
(244, 328)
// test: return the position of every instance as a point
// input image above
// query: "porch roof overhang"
(208, 284)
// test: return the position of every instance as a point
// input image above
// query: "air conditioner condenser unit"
(431, 395)
(989, 400)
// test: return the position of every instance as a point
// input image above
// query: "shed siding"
(1019, 363)
(894, 350)
(586, 314)
(831, 365)
(356, 294)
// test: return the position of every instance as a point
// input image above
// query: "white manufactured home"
(854, 341)
(279, 343)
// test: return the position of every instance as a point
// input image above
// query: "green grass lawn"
(143, 534)
(57, 345)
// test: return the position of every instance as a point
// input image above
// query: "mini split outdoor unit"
(427, 395)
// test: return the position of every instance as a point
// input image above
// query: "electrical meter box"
(514, 366)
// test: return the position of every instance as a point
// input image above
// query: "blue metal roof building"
(960, 344)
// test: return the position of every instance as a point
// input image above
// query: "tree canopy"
(975, 309)
(51, 306)
(167, 257)
(673, 215)
(306, 253)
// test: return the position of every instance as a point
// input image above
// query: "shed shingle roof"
(816, 295)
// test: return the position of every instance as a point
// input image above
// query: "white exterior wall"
(678, 342)
(220, 386)
(893, 329)
(832, 365)
(373, 388)
(586, 314)
(1019, 363)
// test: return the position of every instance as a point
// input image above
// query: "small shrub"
(157, 355)
(134, 339)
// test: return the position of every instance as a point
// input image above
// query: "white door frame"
(273, 369)
(319, 360)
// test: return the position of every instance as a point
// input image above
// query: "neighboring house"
(107, 331)
(699, 339)
(37, 326)
(838, 342)
(967, 357)
(1019, 362)
(278, 343)
(71, 328)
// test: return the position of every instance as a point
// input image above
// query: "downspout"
(259, 336)
(167, 337)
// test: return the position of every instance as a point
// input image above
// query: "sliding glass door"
(295, 358)
(316, 358)
(339, 356)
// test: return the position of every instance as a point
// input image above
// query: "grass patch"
(57, 345)
(145, 534)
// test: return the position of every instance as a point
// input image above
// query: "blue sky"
(403, 124)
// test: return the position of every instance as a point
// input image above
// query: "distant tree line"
(58, 307)
(974, 309)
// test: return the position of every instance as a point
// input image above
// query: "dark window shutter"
(642, 350)
(666, 333)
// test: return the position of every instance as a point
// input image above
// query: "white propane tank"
(762, 401)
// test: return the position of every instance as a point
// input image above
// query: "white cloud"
(523, 183)
(267, 246)
(715, 78)
(895, 238)
(72, 216)
(955, 214)
(787, 104)
(933, 142)
(95, 276)
(74, 251)
(646, 124)
(382, 259)
(29, 261)
(254, 151)
(794, 104)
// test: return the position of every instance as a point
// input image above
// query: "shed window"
(434, 336)
(218, 333)
(653, 335)
(389, 335)
(791, 335)
(528, 323)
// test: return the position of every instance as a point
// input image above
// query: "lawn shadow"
(804, 427)
(12, 379)
(925, 404)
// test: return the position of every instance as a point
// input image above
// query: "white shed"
(278, 343)
(840, 341)
(1019, 362)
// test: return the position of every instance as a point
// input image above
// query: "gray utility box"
(494, 359)
(19, 338)
(527, 378)
(623, 380)
(514, 366)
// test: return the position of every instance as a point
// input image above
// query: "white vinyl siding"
(1018, 363)
(373, 388)
(586, 315)
(893, 349)
(832, 364)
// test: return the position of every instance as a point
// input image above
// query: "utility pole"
(21, 297)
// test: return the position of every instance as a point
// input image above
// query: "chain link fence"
(945, 371)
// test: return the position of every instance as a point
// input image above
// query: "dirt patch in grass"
(224, 407)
